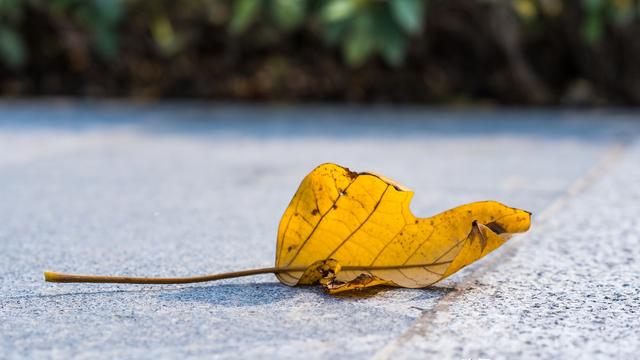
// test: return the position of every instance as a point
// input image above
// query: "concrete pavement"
(184, 189)
(568, 290)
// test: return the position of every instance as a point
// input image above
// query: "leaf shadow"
(363, 293)
(236, 295)
(423, 293)
(253, 294)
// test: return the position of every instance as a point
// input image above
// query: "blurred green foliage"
(98, 19)
(359, 29)
(597, 14)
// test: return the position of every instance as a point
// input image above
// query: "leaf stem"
(52, 276)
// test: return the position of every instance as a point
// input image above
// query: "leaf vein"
(361, 224)
(304, 243)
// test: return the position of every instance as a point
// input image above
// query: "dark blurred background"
(512, 52)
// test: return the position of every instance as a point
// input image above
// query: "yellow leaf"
(360, 227)
(350, 230)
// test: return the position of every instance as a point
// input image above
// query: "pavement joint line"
(580, 185)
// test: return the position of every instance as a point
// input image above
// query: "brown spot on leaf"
(351, 174)
(315, 212)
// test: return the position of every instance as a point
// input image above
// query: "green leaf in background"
(288, 14)
(164, 36)
(593, 26)
(109, 11)
(391, 42)
(408, 14)
(337, 10)
(334, 33)
(12, 48)
(106, 42)
(360, 42)
(243, 14)
(336, 17)
(105, 16)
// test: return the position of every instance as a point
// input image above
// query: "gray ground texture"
(185, 189)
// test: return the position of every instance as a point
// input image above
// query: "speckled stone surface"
(569, 290)
(172, 190)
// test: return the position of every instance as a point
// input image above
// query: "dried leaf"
(359, 225)
(349, 231)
